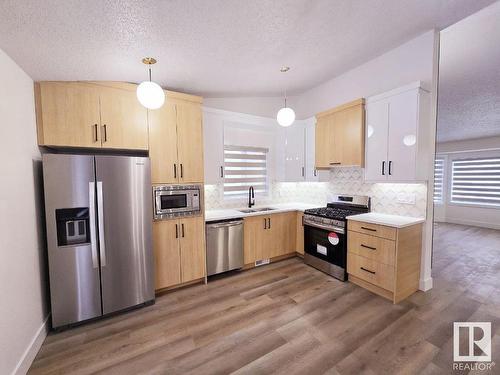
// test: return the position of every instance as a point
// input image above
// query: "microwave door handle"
(93, 238)
(100, 220)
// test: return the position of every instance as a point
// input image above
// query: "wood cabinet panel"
(67, 114)
(300, 233)
(373, 229)
(124, 121)
(376, 273)
(163, 144)
(281, 233)
(192, 240)
(340, 136)
(190, 142)
(254, 238)
(371, 247)
(166, 253)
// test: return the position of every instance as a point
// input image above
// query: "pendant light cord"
(149, 74)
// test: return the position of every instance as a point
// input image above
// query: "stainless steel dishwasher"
(224, 245)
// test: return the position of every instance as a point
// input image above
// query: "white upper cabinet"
(213, 139)
(295, 168)
(398, 135)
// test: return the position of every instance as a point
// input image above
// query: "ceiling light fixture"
(286, 115)
(149, 93)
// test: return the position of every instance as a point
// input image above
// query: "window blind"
(476, 181)
(438, 180)
(244, 167)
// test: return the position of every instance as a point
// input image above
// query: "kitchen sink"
(250, 210)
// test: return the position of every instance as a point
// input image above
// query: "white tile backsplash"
(390, 198)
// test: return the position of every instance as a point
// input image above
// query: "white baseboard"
(32, 349)
(474, 223)
(425, 284)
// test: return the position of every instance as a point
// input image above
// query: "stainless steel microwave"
(176, 200)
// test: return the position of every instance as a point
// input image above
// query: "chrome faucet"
(251, 197)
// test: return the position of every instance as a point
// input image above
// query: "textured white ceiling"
(214, 47)
(469, 78)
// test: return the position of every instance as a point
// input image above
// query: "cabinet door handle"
(269, 223)
(182, 171)
(383, 168)
(336, 163)
(370, 229)
(390, 169)
(182, 228)
(221, 171)
(175, 170)
(366, 270)
(176, 231)
(95, 133)
(368, 247)
(105, 133)
(315, 172)
(265, 223)
(303, 171)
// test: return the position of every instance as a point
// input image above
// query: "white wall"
(488, 217)
(23, 310)
(258, 106)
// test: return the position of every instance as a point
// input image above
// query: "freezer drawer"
(224, 246)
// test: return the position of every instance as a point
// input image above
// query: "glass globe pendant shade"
(285, 116)
(150, 95)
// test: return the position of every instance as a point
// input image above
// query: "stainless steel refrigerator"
(98, 215)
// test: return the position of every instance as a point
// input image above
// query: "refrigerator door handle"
(93, 239)
(100, 220)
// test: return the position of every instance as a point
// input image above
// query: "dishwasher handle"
(225, 224)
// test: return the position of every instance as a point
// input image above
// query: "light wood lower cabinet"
(383, 259)
(300, 233)
(179, 250)
(269, 236)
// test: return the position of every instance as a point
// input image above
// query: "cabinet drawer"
(371, 271)
(373, 229)
(371, 247)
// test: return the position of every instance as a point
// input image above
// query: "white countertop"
(233, 213)
(395, 221)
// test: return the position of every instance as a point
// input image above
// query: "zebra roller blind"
(476, 181)
(244, 167)
(438, 180)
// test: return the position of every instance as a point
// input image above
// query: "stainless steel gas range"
(325, 233)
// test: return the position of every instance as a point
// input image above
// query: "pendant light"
(149, 93)
(286, 115)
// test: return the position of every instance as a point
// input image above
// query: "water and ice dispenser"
(72, 226)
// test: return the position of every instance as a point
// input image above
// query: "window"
(476, 181)
(438, 180)
(244, 167)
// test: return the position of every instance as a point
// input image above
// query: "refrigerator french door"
(98, 216)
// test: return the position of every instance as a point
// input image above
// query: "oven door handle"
(325, 227)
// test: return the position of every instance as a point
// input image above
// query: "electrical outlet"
(407, 198)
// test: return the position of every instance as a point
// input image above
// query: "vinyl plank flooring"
(288, 318)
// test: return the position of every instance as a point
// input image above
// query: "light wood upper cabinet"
(67, 114)
(124, 120)
(163, 144)
(176, 141)
(340, 136)
(166, 253)
(190, 142)
(192, 240)
(96, 115)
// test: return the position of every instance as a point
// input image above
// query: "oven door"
(327, 245)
